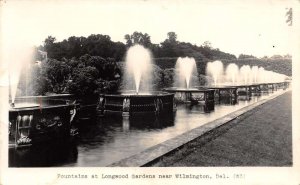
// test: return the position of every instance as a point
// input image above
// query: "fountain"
(254, 87)
(245, 83)
(138, 70)
(186, 72)
(261, 75)
(142, 100)
(215, 70)
(19, 63)
(256, 80)
(38, 119)
(245, 74)
(232, 72)
(254, 74)
(186, 87)
(35, 119)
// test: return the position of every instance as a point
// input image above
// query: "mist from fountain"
(245, 72)
(232, 72)
(138, 69)
(245, 75)
(19, 59)
(254, 74)
(185, 72)
(261, 75)
(215, 70)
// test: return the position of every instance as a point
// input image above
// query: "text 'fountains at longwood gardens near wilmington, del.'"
(137, 97)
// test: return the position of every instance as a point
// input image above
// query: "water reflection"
(50, 154)
(150, 122)
(103, 141)
(194, 108)
(244, 98)
(226, 101)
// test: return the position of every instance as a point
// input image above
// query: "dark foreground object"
(260, 137)
(36, 120)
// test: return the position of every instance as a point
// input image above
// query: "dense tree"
(83, 83)
(168, 77)
(207, 44)
(57, 74)
(92, 75)
(244, 56)
(49, 41)
(277, 57)
(169, 47)
(172, 37)
(138, 38)
(51, 47)
(95, 45)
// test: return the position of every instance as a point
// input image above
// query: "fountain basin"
(198, 95)
(224, 94)
(254, 89)
(38, 122)
(131, 104)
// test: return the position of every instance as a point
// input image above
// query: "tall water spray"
(138, 68)
(232, 72)
(215, 69)
(185, 70)
(19, 59)
(254, 74)
(261, 75)
(245, 73)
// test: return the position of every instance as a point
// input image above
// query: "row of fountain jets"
(138, 62)
(246, 75)
(138, 73)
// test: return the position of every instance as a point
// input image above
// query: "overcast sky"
(251, 27)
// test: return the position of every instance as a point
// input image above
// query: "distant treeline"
(279, 65)
(165, 53)
(102, 45)
(87, 66)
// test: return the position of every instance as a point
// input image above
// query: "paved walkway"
(260, 137)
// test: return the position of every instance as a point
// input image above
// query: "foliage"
(94, 45)
(87, 66)
(138, 38)
(243, 56)
(101, 45)
(83, 81)
(92, 75)
(84, 77)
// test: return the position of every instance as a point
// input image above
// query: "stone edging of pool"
(157, 151)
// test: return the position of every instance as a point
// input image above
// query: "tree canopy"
(95, 45)
(87, 66)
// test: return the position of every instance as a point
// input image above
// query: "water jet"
(142, 100)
